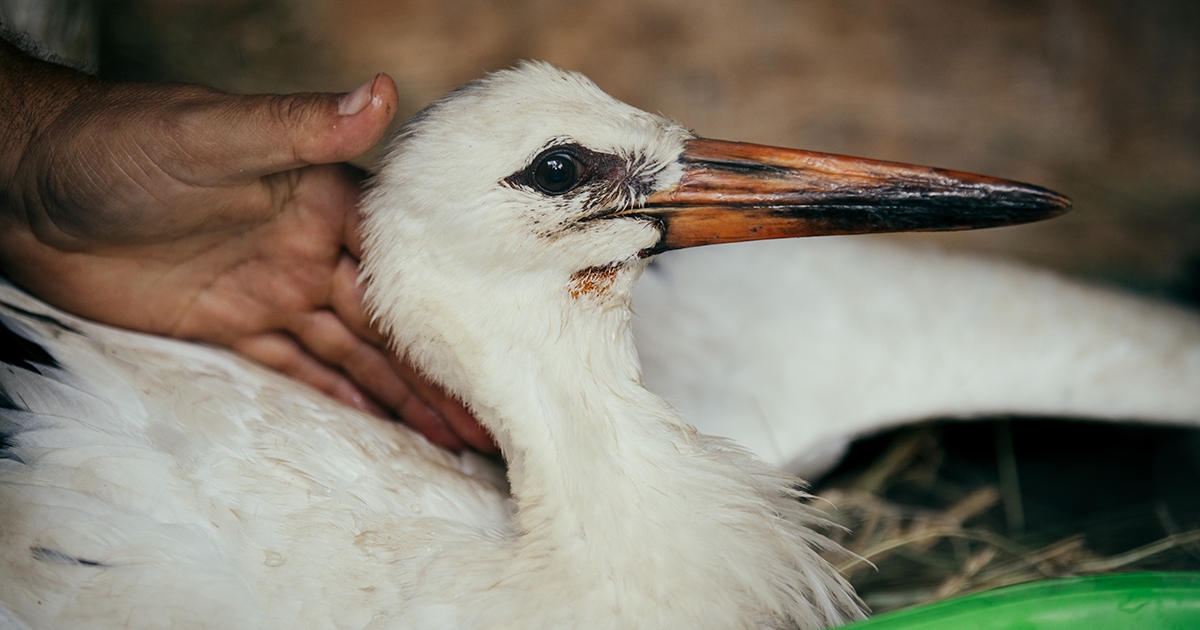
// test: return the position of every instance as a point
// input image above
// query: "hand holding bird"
(183, 211)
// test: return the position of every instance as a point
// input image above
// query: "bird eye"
(556, 173)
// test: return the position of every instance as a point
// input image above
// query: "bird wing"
(151, 480)
(794, 348)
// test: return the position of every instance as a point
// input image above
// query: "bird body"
(164, 484)
(841, 337)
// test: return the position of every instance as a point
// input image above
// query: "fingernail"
(353, 102)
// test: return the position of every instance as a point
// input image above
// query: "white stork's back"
(838, 338)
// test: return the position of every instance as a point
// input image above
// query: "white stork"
(152, 483)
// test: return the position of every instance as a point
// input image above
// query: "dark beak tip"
(1025, 202)
(1048, 204)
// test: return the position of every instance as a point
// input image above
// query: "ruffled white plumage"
(169, 484)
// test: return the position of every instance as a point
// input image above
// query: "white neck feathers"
(619, 503)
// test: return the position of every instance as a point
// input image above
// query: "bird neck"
(620, 505)
(602, 470)
(586, 444)
(589, 438)
(569, 408)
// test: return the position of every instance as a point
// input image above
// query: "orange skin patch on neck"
(593, 281)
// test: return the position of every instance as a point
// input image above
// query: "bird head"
(528, 196)
(511, 174)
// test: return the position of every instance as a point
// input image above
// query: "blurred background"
(1099, 99)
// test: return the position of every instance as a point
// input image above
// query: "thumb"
(270, 133)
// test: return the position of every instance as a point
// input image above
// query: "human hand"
(186, 212)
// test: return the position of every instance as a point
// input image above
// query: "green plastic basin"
(1145, 601)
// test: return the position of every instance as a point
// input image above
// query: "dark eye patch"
(566, 168)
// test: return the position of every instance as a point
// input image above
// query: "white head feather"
(459, 257)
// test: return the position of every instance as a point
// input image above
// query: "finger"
(348, 300)
(424, 420)
(464, 424)
(279, 352)
(226, 138)
(457, 417)
(353, 234)
(328, 339)
(352, 226)
(370, 369)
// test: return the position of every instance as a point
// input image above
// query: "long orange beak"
(733, 191)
